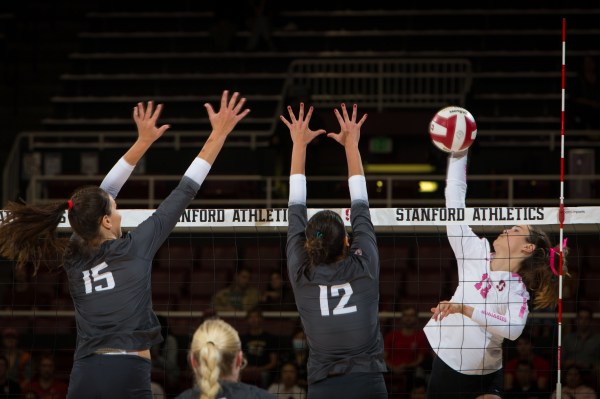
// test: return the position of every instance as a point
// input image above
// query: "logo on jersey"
(501, 285)
(484, 286)
(358, 252)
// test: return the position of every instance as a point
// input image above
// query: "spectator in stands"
(22, 295)
(46, 385)
(336, 285)
(260, 348)
(165, 364)
(406, 349)
(278, 295)
(225, 26)
(585, 95)
(582, 347)
(573, 386)
(524, 383)
(6, 287)
(216, 358)
(262, 13)
(240, 295)
(287, 387)
(9, 388)
(109, 275)
(298, 356)
(19, 360)
(525, 353)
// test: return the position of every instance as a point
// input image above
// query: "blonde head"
(214, 349)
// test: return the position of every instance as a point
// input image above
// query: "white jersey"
(474, 345)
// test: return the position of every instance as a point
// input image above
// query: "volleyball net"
(209, 247)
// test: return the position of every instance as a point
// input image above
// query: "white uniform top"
(499, 298)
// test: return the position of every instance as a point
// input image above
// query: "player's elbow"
(515, 332)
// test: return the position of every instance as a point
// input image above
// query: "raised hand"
(299, 131)
(349, 127)
(230, 113)
(145, 119)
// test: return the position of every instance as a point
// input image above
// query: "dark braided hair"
(325, 233)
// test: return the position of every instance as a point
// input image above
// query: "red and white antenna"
(561, 212)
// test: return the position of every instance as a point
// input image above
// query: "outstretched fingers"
(229, 114)
(233, 100)
(210, 110)
(298, 126)
(146, 117)
(224, 97)
(141, 110)
(156, 113)
(291, 113)
(238, 107)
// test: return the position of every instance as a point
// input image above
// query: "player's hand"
(300, 133)
(229, 114)
(145, 118)
(445, 308)
(349, 128)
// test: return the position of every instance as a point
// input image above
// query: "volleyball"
(453, 129)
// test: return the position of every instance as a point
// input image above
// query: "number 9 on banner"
(453, 129)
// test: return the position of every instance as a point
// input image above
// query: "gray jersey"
(231, 390)
(338, 303)
(111, 290)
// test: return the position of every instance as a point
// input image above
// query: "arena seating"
(125, 52)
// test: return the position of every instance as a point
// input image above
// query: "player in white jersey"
(490, 302)
(336, 285)
(109, 275)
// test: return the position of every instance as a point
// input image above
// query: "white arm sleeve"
(297, 189)
(498, 324)
(456, 181)
(198, 170)
(358, 188)
(116, 177)
(509, 325)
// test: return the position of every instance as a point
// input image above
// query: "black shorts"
(349, 386)
(110, 377)
(447, 383)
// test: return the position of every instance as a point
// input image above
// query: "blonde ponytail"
(210, 357)
(214, 348)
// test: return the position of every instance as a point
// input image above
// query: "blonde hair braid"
(215, 346)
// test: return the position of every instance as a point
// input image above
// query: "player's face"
(512, 241)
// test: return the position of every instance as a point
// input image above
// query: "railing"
(385, 191)
(383, 83)
(380, 83)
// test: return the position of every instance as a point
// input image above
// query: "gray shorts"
(350, 386)
(110, 377)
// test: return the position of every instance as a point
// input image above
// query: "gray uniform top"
(338, 303)
(111, 289)
(231, 390)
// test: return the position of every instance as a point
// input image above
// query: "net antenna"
(561, 212)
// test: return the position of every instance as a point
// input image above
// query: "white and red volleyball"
(453, 129)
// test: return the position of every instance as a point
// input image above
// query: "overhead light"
(427, 186)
